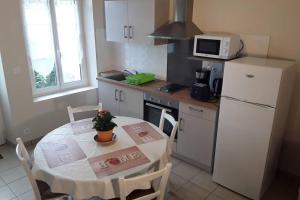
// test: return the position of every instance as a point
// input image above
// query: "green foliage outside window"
(42, 81)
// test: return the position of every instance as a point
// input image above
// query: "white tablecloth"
(78, 179)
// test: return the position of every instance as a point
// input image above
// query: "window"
(54, 45)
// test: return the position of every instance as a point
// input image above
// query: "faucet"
(130, 72)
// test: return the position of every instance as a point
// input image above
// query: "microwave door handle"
(158, 107)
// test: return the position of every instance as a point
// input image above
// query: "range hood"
(182, 28)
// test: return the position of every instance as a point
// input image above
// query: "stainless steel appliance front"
(153, 106)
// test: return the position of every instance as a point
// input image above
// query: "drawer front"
(251, 83)
(198, 111)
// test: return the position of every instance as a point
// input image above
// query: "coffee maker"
(209, 79)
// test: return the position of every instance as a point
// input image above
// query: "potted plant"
(104, 125)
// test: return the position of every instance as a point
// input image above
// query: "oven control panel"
(161, 101)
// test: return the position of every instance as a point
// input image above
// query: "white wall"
(2, 125)
(21, 112)
(90, 41)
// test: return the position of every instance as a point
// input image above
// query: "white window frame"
(61, 86)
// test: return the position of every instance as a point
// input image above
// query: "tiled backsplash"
(143, 58)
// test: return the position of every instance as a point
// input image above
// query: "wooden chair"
(41, 189)
(166, 116)
(159, 194)
(71, 110)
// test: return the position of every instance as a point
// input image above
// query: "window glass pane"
(68, 28)
(40, 42)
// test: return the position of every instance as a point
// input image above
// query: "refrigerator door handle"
(252, 103)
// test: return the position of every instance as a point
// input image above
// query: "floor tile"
(175, 161)
(172, 196)
(284, 187)
(27, 196)
(191, 191)
(213, 197)
(20, 186)
(13, 174)
(2, 183)
(186, 171)
(228, 194)
(8, 163)
(10, 159)
(175, 182)
(6, 193)
(204, 180)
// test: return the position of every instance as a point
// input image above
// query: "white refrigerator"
(254, 106)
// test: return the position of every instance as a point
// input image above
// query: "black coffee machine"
(209, 79)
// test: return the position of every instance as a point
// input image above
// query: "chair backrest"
(71, 110)
(164, 174)
(27, 164)
(170, 118)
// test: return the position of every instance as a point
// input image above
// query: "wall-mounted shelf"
(198, 58)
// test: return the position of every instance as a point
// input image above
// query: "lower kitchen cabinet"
(196, 135)
(131, 103)
(108, 96)
(121, 101)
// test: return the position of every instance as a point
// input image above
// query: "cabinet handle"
(194, 109)
(130, 32)
(125, 32)
(120, 96)
(116, 98)
(181, 124)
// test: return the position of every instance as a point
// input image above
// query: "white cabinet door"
(243, 138)
(108, 96)
(141, 17)
(196, 139)
(116, 19)
(131, 103)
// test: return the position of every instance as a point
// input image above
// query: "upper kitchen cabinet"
(133, 20)
(116, 19)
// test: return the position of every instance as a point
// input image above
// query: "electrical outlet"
(26, 131)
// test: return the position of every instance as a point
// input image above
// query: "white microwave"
(222, 46)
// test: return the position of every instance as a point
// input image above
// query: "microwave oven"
(222, 46)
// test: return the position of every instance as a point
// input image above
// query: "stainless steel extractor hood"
(182, 28)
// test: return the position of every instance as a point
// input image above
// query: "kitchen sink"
(117, 77)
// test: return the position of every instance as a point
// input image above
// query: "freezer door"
(243, 137)
(251, 83)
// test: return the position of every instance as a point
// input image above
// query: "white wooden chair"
(166, 116)
(71, 110)
(41, 190)
(164, 174)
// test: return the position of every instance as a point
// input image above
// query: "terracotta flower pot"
(105, 136)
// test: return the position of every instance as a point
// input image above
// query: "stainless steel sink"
(117, 77)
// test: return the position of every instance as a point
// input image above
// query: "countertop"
(152, 88)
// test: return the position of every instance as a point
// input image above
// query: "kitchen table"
(70, 161)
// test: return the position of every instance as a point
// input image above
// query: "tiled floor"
(186, 182)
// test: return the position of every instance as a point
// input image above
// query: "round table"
(78, 178)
